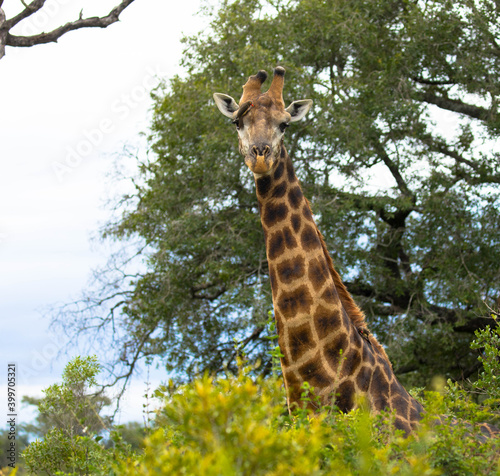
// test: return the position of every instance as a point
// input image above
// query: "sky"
(67, 110)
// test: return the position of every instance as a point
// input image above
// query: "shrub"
(237, 426)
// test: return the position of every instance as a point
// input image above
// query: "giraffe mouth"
(259, 164)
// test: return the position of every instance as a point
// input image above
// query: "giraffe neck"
(318, 337)
(313, 327)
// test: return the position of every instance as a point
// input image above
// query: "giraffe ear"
(226, 104)
(298, 109)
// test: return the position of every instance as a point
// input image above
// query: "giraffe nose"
(259, 160)
(261, 150)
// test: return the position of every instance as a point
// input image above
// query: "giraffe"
(322, 333)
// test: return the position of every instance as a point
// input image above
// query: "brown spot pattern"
(348, 326)
(363, 378)
(276, 245)
(263, 185)
(309, 239)
(401, 424)
(345, 399)
(296, 223)
(291, 303)
(400, 404)
(274, 213)
(306, 211)
(279, 323)
(313, 373)
(295, 197)
(278, 173)
(300, 340)
(291, 269)
(416, 411)
(293, 386)
(272, 278)
(279, 191)
(368, 354)
(351, 362)
(385, 366)
(396, 387)
(330, 296)
(290, 172)
(332, 351)
(290, 240)
(326, 321)
(318, 272)
(379, 389)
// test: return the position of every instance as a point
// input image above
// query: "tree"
(398, 158)
(70, 426)
(70, 406)
(6, 25)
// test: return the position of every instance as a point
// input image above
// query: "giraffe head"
(261, 119)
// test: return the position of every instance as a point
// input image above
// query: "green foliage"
(488, 383)
(57, 453)
(457, 446)
(69, 406)
(74, 443)
(238, 426)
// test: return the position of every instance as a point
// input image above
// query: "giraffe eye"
(283, 126)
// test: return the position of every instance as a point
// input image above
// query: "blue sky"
(67, 110)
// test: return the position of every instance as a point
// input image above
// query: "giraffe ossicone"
(322, 333)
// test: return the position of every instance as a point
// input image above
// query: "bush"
(238, 425)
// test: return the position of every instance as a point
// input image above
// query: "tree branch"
(436, 145)
(54, 35)
(393, 168)
(484, 173)
(400, 303)
(454, 105)
(29, 10)
(432, 82)
(240, 346)
(195, 291)
(455, 318)
(404, 369)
